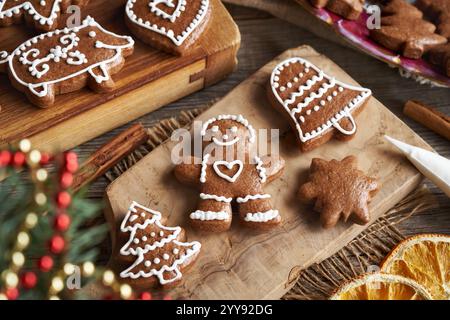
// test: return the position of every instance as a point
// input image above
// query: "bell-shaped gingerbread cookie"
(316, 105)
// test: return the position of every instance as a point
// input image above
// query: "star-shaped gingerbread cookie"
(439, 11)
(404, 30)
(339, 190)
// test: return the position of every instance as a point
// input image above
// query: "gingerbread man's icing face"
(227, 130)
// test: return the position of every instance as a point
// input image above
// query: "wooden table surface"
(263, 38)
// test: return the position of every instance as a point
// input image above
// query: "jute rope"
(363, 254)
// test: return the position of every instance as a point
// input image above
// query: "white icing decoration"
(225, 143)
(238, 118)
(229, 166)
(29, 8)
(204, 166)
(192, 249)
(169, 3)
(252, 197)
(70, 41)
(261, 216)
(3, 57)
(205, 196)
(261, 169)
(209, 215)
(92, 34)
(332, 83)
(177, 39)
(155, 219)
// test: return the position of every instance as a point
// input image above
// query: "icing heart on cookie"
(174, 19)
(229, 165)
(314, 102)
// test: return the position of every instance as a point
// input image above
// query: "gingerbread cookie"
(3, 59)
(317, 106)
(169, 25)
(157, 253)
(439, 10)
(67, 60)
(339, 190)
(440, 56)
(348, 9)
(231, 173)
(404, 30)
(43, 15)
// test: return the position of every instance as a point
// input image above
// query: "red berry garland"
(145, 296)
(29, 280)
(57, 244)
(12, 293)
(45, 263)
(5, 158)
(62, 222)
(63, 199)
(19, 159)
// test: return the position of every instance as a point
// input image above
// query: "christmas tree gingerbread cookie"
(169, 25)
(67, 60)
(229, 173)
(316, 105)
(153, 253)
(339, 190)
(43, 15)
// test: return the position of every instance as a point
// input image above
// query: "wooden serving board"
(243, 264)
(149, 80)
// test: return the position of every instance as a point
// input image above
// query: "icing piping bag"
(430, 164)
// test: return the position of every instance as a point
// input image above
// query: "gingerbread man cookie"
(339, 190)
(404, 30)
(157, 254)
(316, 105)
(169, 25)
(230, 173)
(348, 9)
(43, 15)
(439, 10)
(67, 60)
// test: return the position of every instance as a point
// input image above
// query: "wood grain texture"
(240, 264)
(216, 51)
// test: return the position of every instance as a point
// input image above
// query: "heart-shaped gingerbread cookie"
(169, 25)
(317, 106)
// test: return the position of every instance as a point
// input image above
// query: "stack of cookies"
(419, 30)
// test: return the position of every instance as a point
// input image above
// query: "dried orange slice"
(381, 286)
(425, 259)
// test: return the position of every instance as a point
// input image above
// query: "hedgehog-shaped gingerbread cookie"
(229, 173)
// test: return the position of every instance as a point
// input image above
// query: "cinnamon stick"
(109, 155)
(429, 117)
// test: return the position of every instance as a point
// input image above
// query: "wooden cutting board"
(241, 264)
(149, 80)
